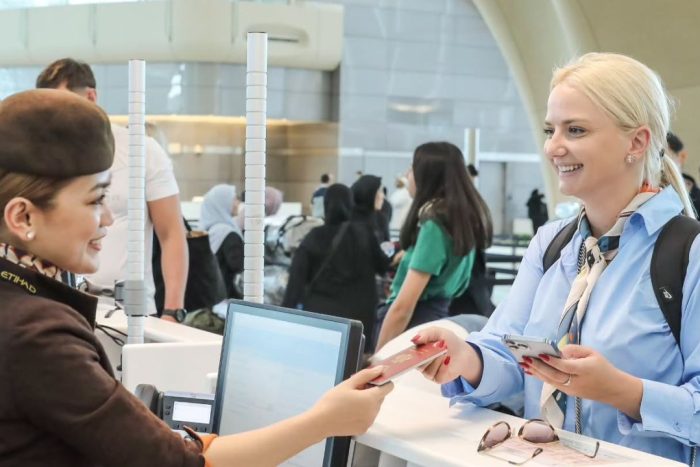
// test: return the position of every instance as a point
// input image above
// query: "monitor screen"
(276, 363)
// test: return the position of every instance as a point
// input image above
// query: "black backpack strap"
(669, 263)
(560, 240)
(283, 228)
(282, 231)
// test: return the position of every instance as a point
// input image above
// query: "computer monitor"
(276, 363)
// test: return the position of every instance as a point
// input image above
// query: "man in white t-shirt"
(400, 201)
(162, 201)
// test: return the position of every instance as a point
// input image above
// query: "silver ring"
(568, 381)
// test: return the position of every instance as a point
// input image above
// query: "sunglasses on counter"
(534, 431)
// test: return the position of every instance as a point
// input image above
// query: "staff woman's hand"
(583, 372)
(351, 407)
(461, 358)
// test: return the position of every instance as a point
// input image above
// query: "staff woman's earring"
(30, 235)
(630, 159)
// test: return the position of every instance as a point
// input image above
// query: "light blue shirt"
(623, 322)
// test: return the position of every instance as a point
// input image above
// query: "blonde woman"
(622, 377)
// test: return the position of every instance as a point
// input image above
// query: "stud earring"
(30, 235)
(630, 159)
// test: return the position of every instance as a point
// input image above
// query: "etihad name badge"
(17, 280)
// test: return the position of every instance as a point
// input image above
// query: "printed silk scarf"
(29, 261)
(594, 256)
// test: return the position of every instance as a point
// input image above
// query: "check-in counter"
(173, 357)
(415, 427)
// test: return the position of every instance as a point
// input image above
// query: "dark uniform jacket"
(59, 402)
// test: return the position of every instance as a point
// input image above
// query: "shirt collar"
(653, 215)
(656, 212)
(32, 282)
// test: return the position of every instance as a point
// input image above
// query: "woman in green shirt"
(447, 221)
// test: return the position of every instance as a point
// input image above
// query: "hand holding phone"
(524, 346)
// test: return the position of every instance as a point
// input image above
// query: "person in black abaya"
(537, 210)
(369, 199)
(337, 281)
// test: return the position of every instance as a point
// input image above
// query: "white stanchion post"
(471, 149)
(134, 286)
(255, 133)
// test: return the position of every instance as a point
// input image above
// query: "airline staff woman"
(59, 402)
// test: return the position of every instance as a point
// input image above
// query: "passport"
(406, 360)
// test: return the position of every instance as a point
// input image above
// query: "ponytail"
(671, 176)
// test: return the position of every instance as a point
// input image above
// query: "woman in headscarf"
(333, 269)
(369, 198)
(273, 202)
(219, 209)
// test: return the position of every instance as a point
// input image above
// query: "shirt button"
(677, 426)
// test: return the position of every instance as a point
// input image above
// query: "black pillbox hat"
(54, 133)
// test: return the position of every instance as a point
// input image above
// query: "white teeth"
(569, 168)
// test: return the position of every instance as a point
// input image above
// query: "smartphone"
(407, 359)
(524, 346)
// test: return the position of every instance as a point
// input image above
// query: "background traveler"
(217, 217)
(447, 222)
(333, 270)
(162, 200)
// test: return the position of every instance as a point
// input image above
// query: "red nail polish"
(524, 365)
(415, 338)
(441, 344)
(527, 360)
(527, 373)
(446, 361)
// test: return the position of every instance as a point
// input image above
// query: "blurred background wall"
(536, 35)
(410, 71)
